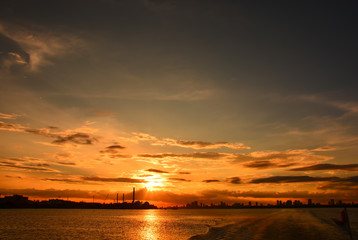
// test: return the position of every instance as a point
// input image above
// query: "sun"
(153, 183)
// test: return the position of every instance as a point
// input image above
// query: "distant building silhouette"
(133, 195)
(19, 201)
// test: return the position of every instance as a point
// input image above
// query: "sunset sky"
(202, 100)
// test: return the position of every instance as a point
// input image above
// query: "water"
(174, 224)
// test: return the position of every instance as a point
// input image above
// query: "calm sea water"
(174, 224)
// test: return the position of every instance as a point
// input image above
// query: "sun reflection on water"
(150, 230)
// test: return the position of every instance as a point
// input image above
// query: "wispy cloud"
(114, 151)
(9, 116)
(183, 95)
(233, 180)
(187, 143)
(12, 54)
(25, 164)
(264, 156)
(119, 179)
(156, 170)
(264, 160)
(179, 180)
(264, 164)
(66, 180)
(211, 180)
(8, 176)
(79, 138)
(204, 155)
(325, 149)
(349, 184)
(66, 163)
(39, 44)
(104, 113)
(11, 127)
(347, 106)
(68, 136)
(209, 145)
(294, 179)
(319, 167)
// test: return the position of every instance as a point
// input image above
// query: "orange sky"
(184, 101)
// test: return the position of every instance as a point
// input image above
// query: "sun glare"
(153, 183)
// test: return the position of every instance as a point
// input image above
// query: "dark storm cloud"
(210, 181)
(233, 180)
(103, 179)
(156, 170)
(293, 179)
(319, 167)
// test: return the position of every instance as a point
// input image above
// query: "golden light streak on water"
(150, 230)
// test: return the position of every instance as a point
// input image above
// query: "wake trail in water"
(283, 224)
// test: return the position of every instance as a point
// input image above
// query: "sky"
(201, 100)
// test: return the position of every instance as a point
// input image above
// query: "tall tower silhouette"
(133, 194)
